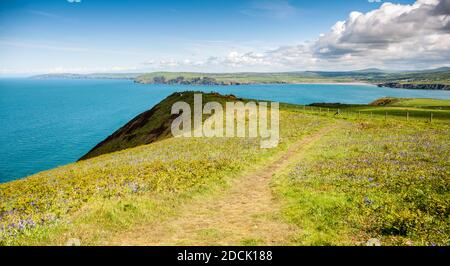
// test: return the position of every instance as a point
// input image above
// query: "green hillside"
(236, 78)
(426, 79)
(400, 108)
(335, 179)
(150, 126)
(422, 103)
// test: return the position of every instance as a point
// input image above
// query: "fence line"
(348, 113)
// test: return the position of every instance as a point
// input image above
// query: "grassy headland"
(150, 126)
(366, 177)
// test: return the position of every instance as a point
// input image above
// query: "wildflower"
(133, 187)
(373, 242)
(367, 200)
(73, 242)
(12, 226)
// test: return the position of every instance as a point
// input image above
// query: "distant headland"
(434, 79)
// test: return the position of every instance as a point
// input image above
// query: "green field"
(387, 108)
(335, 179)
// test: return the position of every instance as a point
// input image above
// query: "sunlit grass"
(372, 179)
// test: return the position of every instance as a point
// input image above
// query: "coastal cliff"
(150, 126)
(180, 80)
(415, 86)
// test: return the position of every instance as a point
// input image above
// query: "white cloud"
(391, 36)
(391, 33)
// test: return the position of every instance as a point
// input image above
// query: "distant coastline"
(58, 76)
(433, 86)
(434, 79)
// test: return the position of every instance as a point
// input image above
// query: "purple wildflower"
(367, 201)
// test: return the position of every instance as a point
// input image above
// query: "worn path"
(245, 213)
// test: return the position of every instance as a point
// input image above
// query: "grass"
(371, 179)
(423, 103)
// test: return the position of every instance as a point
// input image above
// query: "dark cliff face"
(191, 81)
(150, 126)
(147, 127)
(415, 86)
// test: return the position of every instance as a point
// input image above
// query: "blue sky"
(129, 36)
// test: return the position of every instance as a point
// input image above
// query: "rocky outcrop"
(384, 101)
(415, 86)
(184, 81)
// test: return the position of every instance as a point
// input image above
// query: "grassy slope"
(399, 168)
(150, 126)
(372, 179)
(422, 103)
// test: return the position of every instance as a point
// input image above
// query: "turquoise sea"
(48, 123)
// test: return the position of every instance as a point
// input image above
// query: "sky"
(86, 36)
